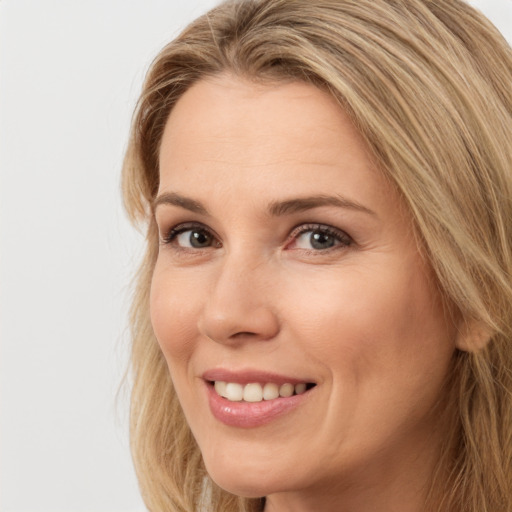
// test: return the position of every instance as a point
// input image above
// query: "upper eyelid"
(312, 226)
(303, 226)
(297, 230)
(185, 226)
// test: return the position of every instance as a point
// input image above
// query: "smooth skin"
(337, 294)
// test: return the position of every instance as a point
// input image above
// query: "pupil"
(199, 239)
(321, 241)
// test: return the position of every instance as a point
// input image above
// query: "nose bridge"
(239, 302)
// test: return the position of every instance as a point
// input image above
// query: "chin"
(246, 486)
(245, 480)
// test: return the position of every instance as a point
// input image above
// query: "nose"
(240, 303)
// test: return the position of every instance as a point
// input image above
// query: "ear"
(473, 335)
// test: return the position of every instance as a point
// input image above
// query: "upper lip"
(250, 375)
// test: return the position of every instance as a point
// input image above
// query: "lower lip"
(251, 414)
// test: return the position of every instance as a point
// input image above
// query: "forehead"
(228, 111)
(226, 134)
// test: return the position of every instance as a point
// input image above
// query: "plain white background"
(70, 72)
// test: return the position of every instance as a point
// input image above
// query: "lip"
(250, 414)
(249, 376)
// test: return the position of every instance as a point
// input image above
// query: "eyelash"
(342, 239)
(183, 228)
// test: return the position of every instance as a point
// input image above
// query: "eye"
(194, 236)
(318, 237)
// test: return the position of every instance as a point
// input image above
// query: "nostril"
(237, 320)
(243, 334)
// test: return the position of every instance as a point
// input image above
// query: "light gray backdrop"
(70, 72)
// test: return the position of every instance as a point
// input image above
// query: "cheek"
(375, 324)
(173, 309)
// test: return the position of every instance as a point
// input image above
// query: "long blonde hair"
(428, 83)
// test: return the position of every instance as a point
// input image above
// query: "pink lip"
(248, 376)
(250, 414)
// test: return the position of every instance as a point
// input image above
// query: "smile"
(256, 392)
(250, 398)
(254, 404)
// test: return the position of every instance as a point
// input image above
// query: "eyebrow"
(289, 206)
(174, 199)
(275, 208)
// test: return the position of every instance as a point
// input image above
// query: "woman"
(323, 316)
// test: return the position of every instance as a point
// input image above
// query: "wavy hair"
(428, 84)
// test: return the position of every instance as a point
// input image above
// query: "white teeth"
(270, 391)
(254, 392)
(234, 392)
(300, 388)
(286, 390)
(220, 387)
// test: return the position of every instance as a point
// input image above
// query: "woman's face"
(287, 261)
